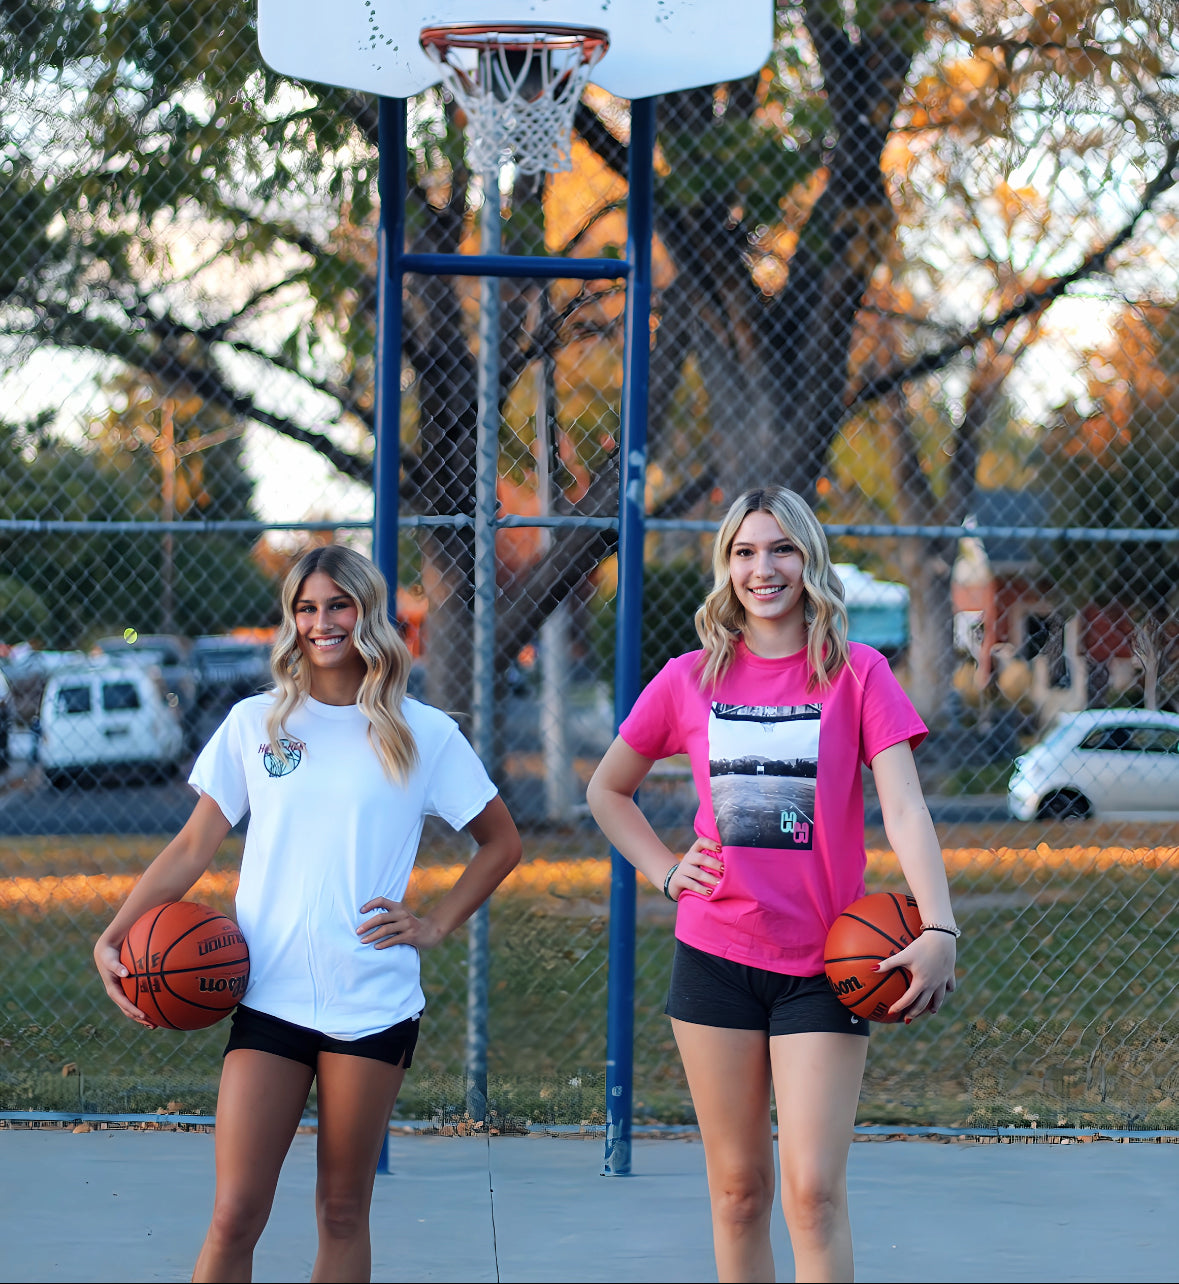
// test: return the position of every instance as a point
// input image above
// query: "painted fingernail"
(875, 967)
(908, 1020)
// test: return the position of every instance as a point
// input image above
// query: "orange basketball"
(871, 929)
(188, 965)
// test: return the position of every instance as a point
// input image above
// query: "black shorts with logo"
(707, 990)
(262, 1033)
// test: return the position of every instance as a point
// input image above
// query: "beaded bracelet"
(955, 932)
(667, 882)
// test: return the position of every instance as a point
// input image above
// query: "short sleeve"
(888, 713)
(652, 728)
(220, 772)
(458, 787)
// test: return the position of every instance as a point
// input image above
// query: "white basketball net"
(519, 98)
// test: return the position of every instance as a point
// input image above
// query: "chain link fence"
(923, 268)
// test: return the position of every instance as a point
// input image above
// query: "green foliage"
(1130, 482)
(216, 583)
(671, 593)
(19, 604)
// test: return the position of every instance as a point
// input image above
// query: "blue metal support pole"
(391, 135)
(542, 266)
(620, 1022)
(393, 161)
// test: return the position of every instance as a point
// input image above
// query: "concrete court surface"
(127, 1206)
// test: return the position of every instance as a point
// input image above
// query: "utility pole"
(169, 454)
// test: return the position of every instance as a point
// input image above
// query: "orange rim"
(515, 36)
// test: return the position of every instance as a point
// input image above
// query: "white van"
(113, 716)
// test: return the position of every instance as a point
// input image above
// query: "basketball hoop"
(519, 84)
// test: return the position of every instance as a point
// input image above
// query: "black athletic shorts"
(262, 1033)
(707, 990)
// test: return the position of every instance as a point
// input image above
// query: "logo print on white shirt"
(277, 766)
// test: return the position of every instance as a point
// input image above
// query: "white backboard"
(656, 46)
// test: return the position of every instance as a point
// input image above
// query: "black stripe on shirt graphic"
(763, 761)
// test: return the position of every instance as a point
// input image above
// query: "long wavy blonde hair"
(386, 657)
(721, 618)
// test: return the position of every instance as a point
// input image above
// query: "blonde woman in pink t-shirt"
(776, 713)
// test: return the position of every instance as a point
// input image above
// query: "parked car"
(228, 669)
(228, 663)
(5, 720)
(167, 652)
(1100, 762)
(107, 718)
(27, 673)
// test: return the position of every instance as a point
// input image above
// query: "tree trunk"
(931, 630)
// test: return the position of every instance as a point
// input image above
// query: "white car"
(107, 716)
(1101, 762)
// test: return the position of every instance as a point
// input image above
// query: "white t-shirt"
(329, 831)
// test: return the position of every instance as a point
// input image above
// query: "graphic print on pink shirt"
(763, 763)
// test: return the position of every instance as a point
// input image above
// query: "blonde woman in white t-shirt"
(337, 768)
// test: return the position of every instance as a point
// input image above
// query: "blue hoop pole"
(393, 160)
(620, 1020)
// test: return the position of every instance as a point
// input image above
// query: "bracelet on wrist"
(667, 882)
(949, 929)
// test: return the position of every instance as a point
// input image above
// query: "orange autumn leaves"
(99, 894)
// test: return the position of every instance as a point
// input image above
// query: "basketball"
(871, 929)
(187, 965)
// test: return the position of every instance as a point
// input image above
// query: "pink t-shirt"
(777, 772)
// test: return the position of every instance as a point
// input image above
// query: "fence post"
(392, 162)
(392, 159)
(483, 668)
(620, 1020)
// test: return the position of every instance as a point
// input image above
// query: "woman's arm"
(611, 798)
(910, 831)
(168, 878)
(498, 854)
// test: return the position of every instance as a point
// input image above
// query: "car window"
(1109, 738)
(73, 700)
(119, 695)
(1133, 739)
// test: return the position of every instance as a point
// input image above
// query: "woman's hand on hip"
(700, 869)
(930, 961)
(395, 924)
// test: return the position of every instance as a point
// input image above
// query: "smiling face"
(325, 617)
(765, 570)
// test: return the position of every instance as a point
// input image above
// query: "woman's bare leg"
(259, 1105)
(817, 1085)
(356, 1097)
(729, 1078)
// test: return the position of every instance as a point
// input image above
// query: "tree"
(203, 222)
(1113, 458)
(65, 589)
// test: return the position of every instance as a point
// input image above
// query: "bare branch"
(1032, 302)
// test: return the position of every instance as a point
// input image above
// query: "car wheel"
(1064, 804)
(58, 779)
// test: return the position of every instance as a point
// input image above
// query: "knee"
(342, 1215)
(237, 1224)
(813, 1206)
(743, 1198)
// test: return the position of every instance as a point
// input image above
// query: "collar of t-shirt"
(777, 664)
